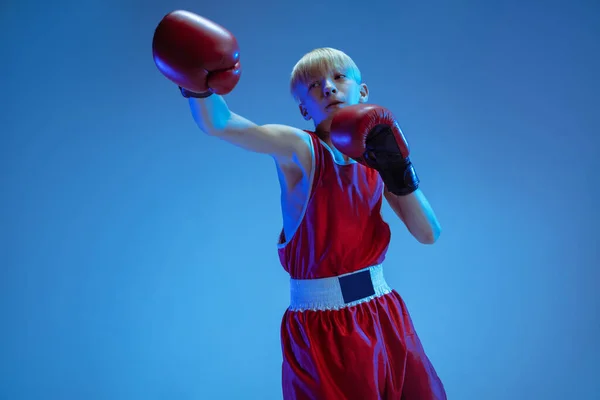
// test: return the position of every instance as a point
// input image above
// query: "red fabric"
(342, 230)
(365, 352)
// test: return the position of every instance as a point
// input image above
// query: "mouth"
(335, 103)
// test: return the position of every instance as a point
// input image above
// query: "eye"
(339, 76)
(312, 85)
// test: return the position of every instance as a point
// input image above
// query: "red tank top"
(341, 229)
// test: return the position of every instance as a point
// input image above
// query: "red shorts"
(369, 351)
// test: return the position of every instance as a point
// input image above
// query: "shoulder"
(300, 143)
(289, 132)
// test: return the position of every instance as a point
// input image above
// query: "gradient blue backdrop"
(138, 256)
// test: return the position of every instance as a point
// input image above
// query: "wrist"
(400, 178)
(188, 93)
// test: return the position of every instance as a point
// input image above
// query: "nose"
(329, 88)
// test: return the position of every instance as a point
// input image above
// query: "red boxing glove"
(370, 135)
(198, 55)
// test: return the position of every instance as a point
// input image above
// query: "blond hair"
(320, 62)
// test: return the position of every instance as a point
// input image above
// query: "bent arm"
(213, 117)
(417, 214)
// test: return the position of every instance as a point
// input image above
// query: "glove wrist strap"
(383, 154)
(187, 94)
(400, 178)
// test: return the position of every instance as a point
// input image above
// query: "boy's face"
(325, 93)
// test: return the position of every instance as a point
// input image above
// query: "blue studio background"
(138, 256)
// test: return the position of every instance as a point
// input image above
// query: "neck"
(323, 131)
(325, 136)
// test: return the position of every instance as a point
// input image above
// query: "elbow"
(210, 130)
(427, 239)
(429, 236)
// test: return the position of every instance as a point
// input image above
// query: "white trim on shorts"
(326, 294)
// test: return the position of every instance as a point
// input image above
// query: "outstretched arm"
(213, 117)
(202, 58)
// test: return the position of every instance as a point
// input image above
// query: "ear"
(304, 112)
(364, 93)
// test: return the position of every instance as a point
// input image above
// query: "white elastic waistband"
(339, 291)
